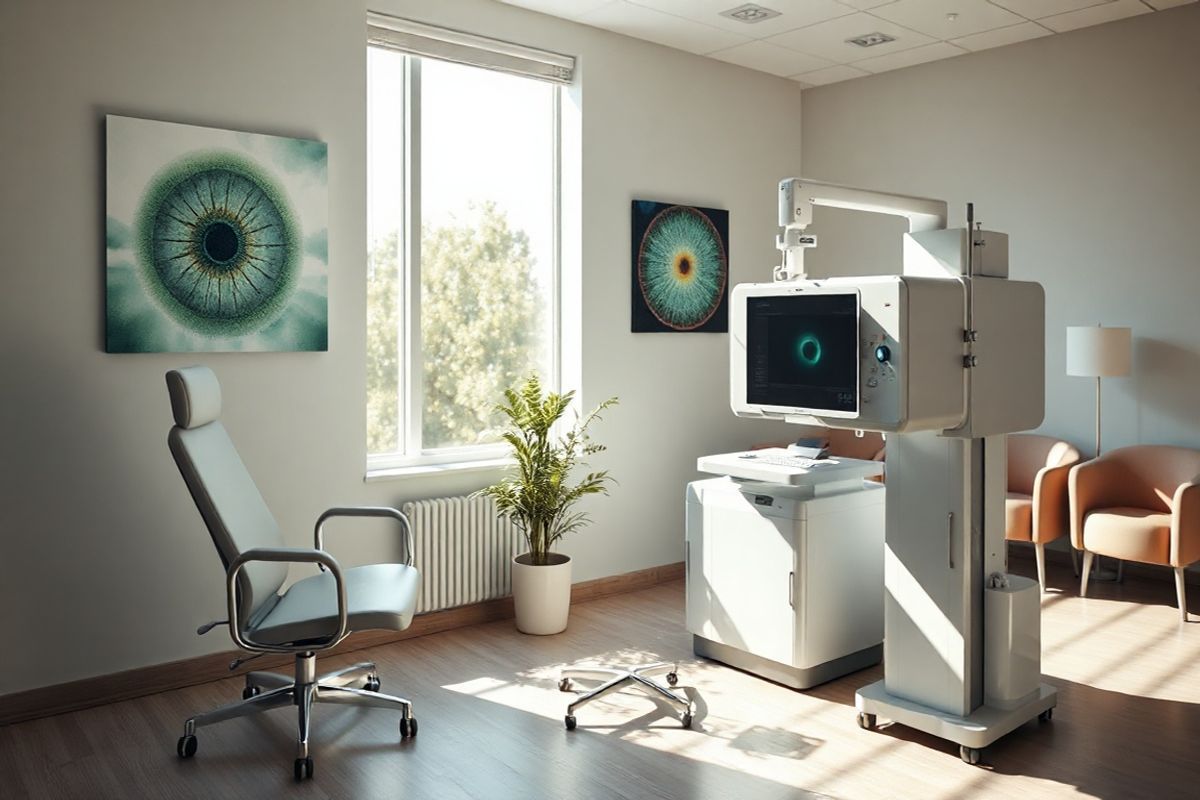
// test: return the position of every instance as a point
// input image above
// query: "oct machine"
(945, 358)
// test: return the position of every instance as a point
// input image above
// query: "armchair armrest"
(1088, 483)
(293, 555)
(1185, 525)
(1052, 509)
(367, 511)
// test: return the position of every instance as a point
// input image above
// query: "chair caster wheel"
(866, 721)
(303, 769)
(373, 684)
(969, 755)
(250, 691)
(408, 727)
(564, 684)
(186, 746)
(570, 721)
(686, 719)
(1046, 715)
(672, 679)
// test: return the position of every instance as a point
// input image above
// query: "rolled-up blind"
(419, 39)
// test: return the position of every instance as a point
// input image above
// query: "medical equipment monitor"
(802, 352)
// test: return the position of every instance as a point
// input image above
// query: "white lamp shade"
(1096, 352)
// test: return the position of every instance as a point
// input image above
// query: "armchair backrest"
(1148, 475)
(233, 510)
(847, 443)
(1029, 453)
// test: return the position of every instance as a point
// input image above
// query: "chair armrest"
(1051, 505)
(1087, 484)
(292, 555)
(367, 511)
(1185, 525)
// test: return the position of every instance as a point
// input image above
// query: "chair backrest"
(1029, 453)
(1150, 474)
(232, 508)
(848, 444)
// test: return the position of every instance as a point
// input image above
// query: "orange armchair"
(1036, 508)
(1139, 504)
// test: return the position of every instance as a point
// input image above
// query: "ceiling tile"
(932, 17)
(1002, 36)
(838, 72)
(771, 58)
(908, 58)
(792, 14)
(863, 5)
(1096, 15)
(1162, 5)
(1036, 9)
(655, 26)
(828, 39)
(571, 9)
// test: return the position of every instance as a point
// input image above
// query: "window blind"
(419, 39)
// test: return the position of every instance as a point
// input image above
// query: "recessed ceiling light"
(750, 13)
(871, 39)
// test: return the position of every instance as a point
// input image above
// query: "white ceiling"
(807, 41)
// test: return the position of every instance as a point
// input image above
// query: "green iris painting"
(216, 240)
(680, 268)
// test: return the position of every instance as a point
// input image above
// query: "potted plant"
(539, 498)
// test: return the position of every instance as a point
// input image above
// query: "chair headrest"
(195, 396)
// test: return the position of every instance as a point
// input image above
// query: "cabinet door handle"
(687, 559)
(792, 589)
(950, 538)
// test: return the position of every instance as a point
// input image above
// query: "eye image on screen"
(802, 351)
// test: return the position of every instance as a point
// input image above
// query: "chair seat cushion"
(1018, 516)
(378, 597)
(1131, 534)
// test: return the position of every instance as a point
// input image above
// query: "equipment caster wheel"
(303, 769)
(1046, 715)
(564, 684)
(373, 684)
(186, 746)
(686, 719)
(970, 755)
(866, 721)
(408, 727)
(672, 679)
(251, 691)
(570, 721)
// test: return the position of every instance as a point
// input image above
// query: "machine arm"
(798, 197)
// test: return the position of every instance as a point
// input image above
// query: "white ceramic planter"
(542, 594)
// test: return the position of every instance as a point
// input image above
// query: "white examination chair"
(313, 614)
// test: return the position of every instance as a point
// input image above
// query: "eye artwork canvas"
(680, 268)
(216, 240)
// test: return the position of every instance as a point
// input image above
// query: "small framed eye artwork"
(215, 240)
(680, 268)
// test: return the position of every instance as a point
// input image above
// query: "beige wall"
(1085, 149)
(105, 565)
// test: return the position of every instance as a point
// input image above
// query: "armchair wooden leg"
(1181, 593)
(1085, 570)
(1039, 550)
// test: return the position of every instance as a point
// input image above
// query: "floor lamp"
(1099, 352)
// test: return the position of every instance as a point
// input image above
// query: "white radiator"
(462, 550)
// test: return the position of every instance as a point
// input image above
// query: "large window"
(463, 232)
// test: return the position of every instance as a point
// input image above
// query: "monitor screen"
(802, 351)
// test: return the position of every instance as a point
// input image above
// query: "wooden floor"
(1127, 723)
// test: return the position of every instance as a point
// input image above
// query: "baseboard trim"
(46, 701)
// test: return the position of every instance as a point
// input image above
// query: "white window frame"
(412, 456)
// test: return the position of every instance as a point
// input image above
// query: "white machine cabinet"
(786, 581)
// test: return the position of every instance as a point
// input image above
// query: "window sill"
(451, 468)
